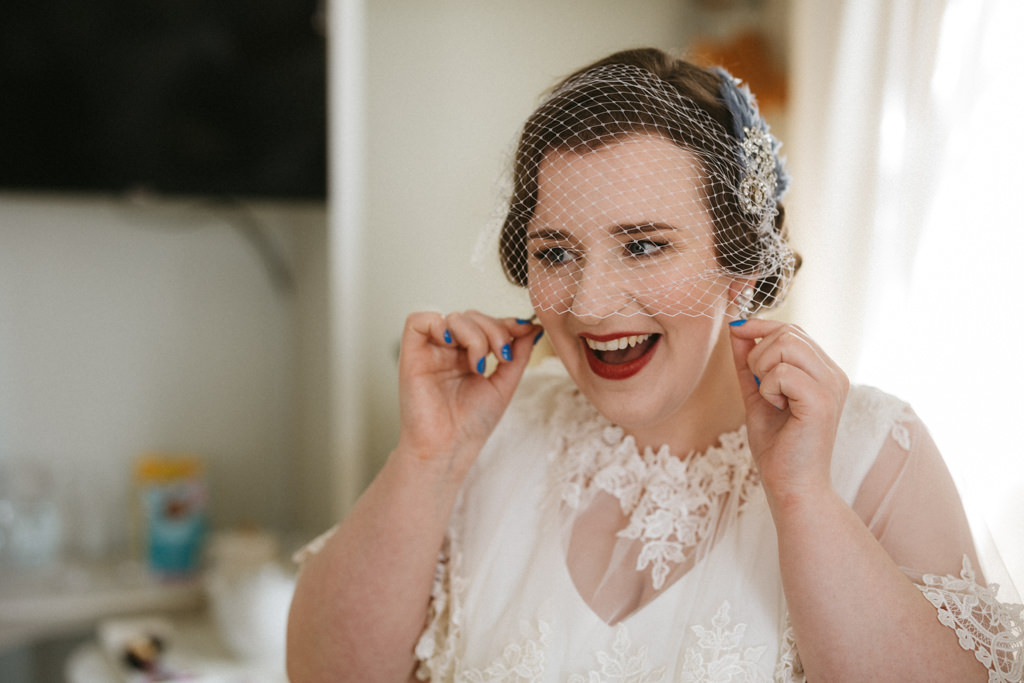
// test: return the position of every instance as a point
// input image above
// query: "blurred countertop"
(73, 596)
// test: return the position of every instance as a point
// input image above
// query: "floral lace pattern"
(720, 656)
(994, 631)
(667, 502)
(673, 504)
(521, 662)
(623, 665)
(435, 649)
(789, 668)
(870, 406)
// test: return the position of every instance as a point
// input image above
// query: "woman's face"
(623, 276)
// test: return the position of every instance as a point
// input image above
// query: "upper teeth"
(617, 344)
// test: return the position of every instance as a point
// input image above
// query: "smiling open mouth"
(620, 357)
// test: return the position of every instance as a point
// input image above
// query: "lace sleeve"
(910, 503)
(992, 630)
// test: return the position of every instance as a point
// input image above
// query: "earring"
(745, 301)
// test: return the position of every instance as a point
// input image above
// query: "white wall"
(448, 83)
(127, 327)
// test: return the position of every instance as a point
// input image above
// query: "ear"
(741, 293)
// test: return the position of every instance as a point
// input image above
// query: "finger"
(502, 332)
(773, 385)
(482, 336)
(790, 344)
(507, 375)
(741, 348)
(427, 326)
(754, 328)
(788, 352)
(788, 386)
(466, 333)
(520, 327)
(762, 348)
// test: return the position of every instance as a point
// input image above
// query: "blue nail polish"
(447, 337)
(758, 380)
(506, 352)
(737, 323)
(537, 338)
(481, 365)
(522, 321)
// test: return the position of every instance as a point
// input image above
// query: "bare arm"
(361, 602)
(855, 615)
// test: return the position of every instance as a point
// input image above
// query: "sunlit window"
(945, 324)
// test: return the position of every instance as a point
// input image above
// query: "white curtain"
(905, 141)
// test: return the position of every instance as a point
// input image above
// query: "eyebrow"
(642, 228)
(546, 234)
(620, 229)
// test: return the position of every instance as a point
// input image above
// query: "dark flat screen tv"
(176, 97)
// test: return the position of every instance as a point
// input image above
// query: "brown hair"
(569, 120)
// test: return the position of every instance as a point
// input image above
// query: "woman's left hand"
(794, 396)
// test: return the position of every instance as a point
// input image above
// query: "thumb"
(741, 348)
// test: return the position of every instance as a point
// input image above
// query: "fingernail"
(522, 321)
(481, 365)
(537, 338)
(737, 323)
(758, 380)
(506, 352)
(447, 337)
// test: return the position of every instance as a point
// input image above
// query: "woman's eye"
(553, 255)
(644, 247)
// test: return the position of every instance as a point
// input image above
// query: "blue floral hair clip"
(765, 179)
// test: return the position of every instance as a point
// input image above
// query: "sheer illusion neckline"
(634, 522)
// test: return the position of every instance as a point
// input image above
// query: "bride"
(686, 492)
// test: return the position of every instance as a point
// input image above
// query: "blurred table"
(73, 596)
(196, 653)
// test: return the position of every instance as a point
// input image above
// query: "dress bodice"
(688, 588)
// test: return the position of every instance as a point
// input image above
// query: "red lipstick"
(620, 370)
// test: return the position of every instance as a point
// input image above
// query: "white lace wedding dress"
(572, 557)
(536, 585)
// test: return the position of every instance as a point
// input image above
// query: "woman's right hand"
(449, 407)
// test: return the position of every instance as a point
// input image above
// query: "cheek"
(550, 291)
(564, 343)
(677, 293)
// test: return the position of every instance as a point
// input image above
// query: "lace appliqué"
(521, 662)
(435, 649)
(622, 665)
(720, 656)
(789, 668)
(870, 407)
(672, 503)
(994, 631)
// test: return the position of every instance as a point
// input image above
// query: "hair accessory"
(765, 178)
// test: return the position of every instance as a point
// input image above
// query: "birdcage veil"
(626, 196)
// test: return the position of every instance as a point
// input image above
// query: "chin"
(635, 405)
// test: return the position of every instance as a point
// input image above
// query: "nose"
(600, 291)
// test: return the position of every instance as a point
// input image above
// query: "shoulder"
(542, 386)
(870, 418)
(545, 398)
(871, 413)
(538, 406)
